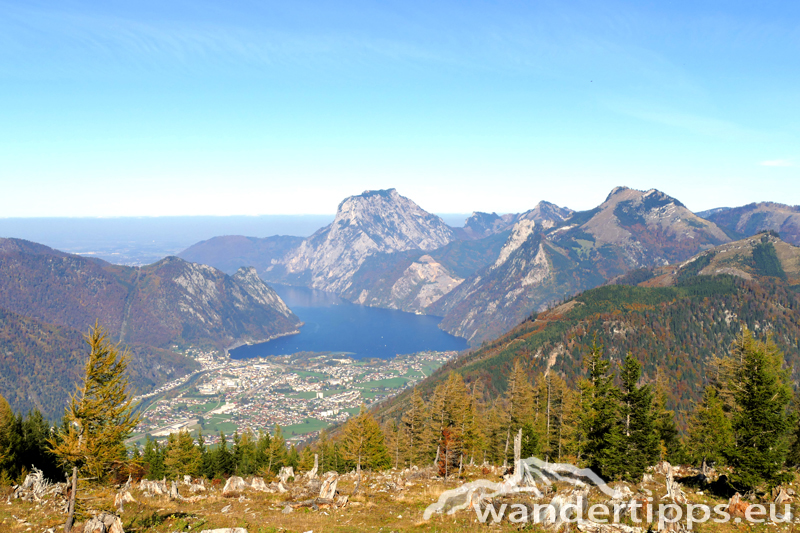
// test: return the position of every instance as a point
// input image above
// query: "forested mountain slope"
(166, 303)
(48, 299)
(674, 328)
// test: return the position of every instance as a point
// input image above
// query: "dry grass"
(375, 509)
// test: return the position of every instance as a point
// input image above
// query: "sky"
(151, 108)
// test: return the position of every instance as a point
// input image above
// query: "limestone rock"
(104, 523)
(328, 490)
(234, 486)
(285, 473)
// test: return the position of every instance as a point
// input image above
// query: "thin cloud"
(777, 163)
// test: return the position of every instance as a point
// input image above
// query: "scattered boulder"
(234, 487)
(285, 473)
(258, 484)
(328, 490)
(121, 498)
(104, 523)
(197, 487)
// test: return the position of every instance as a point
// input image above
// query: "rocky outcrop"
(422, 283)
(372, 222)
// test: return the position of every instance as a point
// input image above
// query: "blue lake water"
(335, 325)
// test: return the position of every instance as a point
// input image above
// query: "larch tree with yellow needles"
(99, 416)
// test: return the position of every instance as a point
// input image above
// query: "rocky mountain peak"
(373, 222)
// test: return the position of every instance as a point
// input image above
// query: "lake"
(335, 325)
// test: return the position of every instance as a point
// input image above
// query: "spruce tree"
(638, 441)
(710, 431)
(222, 458)
(153, 459)
(761, 422)
(599, 416)
(670, 445)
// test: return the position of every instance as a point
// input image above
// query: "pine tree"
(182, 457)
(761, 422)
(99, 416)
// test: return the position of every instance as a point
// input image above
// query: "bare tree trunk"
(505, 452)
(73, 494)
(549, 383)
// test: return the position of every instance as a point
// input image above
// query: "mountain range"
(48, 299)
(483, 278)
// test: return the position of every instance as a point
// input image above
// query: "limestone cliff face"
(370, 223)
(421, 284)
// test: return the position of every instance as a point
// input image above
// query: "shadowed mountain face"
(48, 299)
(172, 302)
(753, 218)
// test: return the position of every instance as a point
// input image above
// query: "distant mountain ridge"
(753, 218)
(481, 225)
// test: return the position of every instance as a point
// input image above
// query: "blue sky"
(189, 108)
